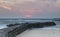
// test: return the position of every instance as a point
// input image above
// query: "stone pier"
(14, 29)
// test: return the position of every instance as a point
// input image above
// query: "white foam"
(3, 26)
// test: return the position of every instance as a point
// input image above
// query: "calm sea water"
(3, 23)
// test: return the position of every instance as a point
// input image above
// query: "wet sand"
(40, 33)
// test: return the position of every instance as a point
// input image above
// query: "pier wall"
(13, 31)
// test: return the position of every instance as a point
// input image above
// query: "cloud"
(33, 8)
(6, 7)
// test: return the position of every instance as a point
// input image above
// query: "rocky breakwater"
(41, 24)
(14, 29)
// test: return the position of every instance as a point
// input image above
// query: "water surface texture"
(3, 23)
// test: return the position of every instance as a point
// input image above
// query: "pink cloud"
(6, 7)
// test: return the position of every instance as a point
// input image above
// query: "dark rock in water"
(57, 19)
(50, 23)
(13, 24)
(35, 25)
(43, 24)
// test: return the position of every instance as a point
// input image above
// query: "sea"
(5, 22)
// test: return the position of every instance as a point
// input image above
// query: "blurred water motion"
(5, 22)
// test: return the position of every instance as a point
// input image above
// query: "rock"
(13, 24)
(43, 24)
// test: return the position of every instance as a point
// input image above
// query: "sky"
(30, 8)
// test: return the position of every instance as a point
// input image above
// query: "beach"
(40, 33)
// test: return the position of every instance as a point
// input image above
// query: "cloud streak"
(6, 7)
